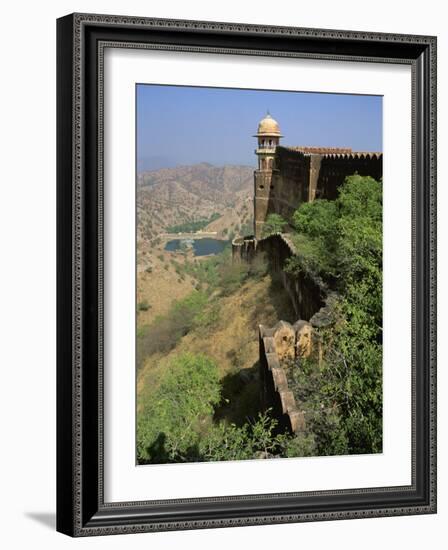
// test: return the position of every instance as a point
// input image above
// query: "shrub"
(258, 267)
(341, 241)
(231, 276)
(316, 219)
(169, 426)
(252, 440)
(143, 305)
(164, 332)
(274, 224)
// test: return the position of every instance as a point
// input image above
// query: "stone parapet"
(307, 294)
(281, 348)
(244, 248)
(275, 392)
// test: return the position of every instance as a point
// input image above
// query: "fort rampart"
(275, 392)
(302, 174)
(287, 177)
(285, 343)
(307, 295)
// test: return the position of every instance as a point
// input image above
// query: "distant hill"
(173, 196)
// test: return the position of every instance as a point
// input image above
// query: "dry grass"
(233, 340)
(161, 287)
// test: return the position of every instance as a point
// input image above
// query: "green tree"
(274, 224)
(257, 439)
(341, 242)
(169, 427)
(176, 423)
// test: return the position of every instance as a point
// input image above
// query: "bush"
(231, 277)
(258, 267)
(341, 239)
(164, 332)
(143, 305)
(176, 423)
(253, 440)
(169, 426)
(302, 444)
(316, 219)
(274, 224)
(247, 228)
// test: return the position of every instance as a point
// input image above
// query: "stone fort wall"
(307, 295)
(275, 391)
(284, 342)
(302, 174)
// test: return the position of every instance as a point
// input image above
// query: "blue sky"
(179, 125)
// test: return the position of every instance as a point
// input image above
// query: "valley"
(184, 203)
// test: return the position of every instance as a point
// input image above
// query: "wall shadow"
(240, 396)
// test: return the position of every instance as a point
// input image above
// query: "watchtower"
(268, 136)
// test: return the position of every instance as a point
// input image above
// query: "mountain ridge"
(171, 196)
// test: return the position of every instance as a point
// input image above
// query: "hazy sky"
(186, 125)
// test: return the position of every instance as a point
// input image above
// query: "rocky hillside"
(173, 196)
(231, 341)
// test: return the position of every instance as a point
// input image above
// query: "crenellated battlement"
(278, 344)
(303, 174)
(282, 348)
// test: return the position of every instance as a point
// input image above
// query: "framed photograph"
(246, 274)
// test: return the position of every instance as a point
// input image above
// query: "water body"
(201, 247)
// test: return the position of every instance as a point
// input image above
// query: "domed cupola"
(268, 127)
(268, 136)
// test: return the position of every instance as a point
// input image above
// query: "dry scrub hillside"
(173, 196)
(231, 341)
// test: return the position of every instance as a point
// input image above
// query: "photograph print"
(258, 274)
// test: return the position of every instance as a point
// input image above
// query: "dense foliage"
(175, 424)
(340, 242)
(169, 426)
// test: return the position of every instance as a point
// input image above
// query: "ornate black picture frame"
(81, 509)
